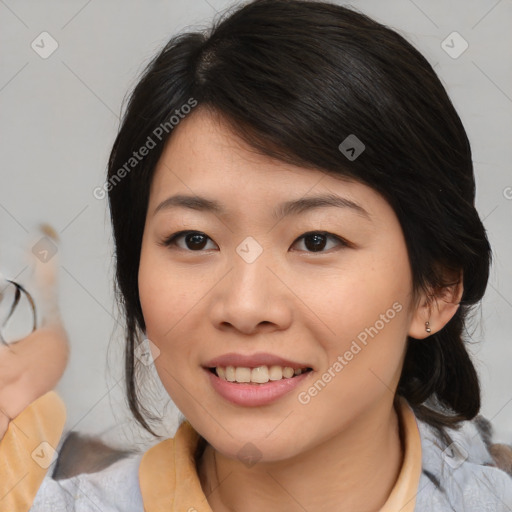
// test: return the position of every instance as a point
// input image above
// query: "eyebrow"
(293, 207)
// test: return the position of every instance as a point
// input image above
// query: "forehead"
(205, 146)
(204, 157)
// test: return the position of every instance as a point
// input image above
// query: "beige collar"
(172, 461)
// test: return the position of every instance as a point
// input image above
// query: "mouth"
(258, 375)
(256, 386)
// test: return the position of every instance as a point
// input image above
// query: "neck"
(353, 470)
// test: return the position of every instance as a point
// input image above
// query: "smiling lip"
(253, 395)
(253, 361)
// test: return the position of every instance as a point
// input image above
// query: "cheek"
(367, 313)
(364, 356)
(165, 297)
(164, 307)
(169, 300)
(364, 291)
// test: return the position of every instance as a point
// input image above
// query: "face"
(325, 288)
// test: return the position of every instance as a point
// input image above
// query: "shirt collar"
(172, 461)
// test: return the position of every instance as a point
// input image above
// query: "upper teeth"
(259, 375)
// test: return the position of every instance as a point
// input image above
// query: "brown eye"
(316, 241)
(194, 240)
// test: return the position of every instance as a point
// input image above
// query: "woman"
(292, 200)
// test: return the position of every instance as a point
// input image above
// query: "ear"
(436, 307)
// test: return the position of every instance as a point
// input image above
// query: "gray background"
(59, 117)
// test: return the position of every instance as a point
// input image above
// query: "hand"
(33, 365)
(29, 368)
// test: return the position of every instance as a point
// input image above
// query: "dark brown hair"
(294, 78)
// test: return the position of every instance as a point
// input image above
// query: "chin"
(248, 444)
(251, 452)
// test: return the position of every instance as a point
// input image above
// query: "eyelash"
(171, 240)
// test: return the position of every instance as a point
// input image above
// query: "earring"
(427, 328)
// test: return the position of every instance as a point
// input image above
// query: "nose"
(252, 297)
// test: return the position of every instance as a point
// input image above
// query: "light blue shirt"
(467, 481)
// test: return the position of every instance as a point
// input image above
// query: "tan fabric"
(172, 461)
(27, 450)
(162, 466)
(403, 495)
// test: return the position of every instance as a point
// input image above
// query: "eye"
(194, 240)
(315, 241)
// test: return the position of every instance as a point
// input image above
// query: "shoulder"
(114, 488)
(82, 453)
(462, 469)
(90, 475)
